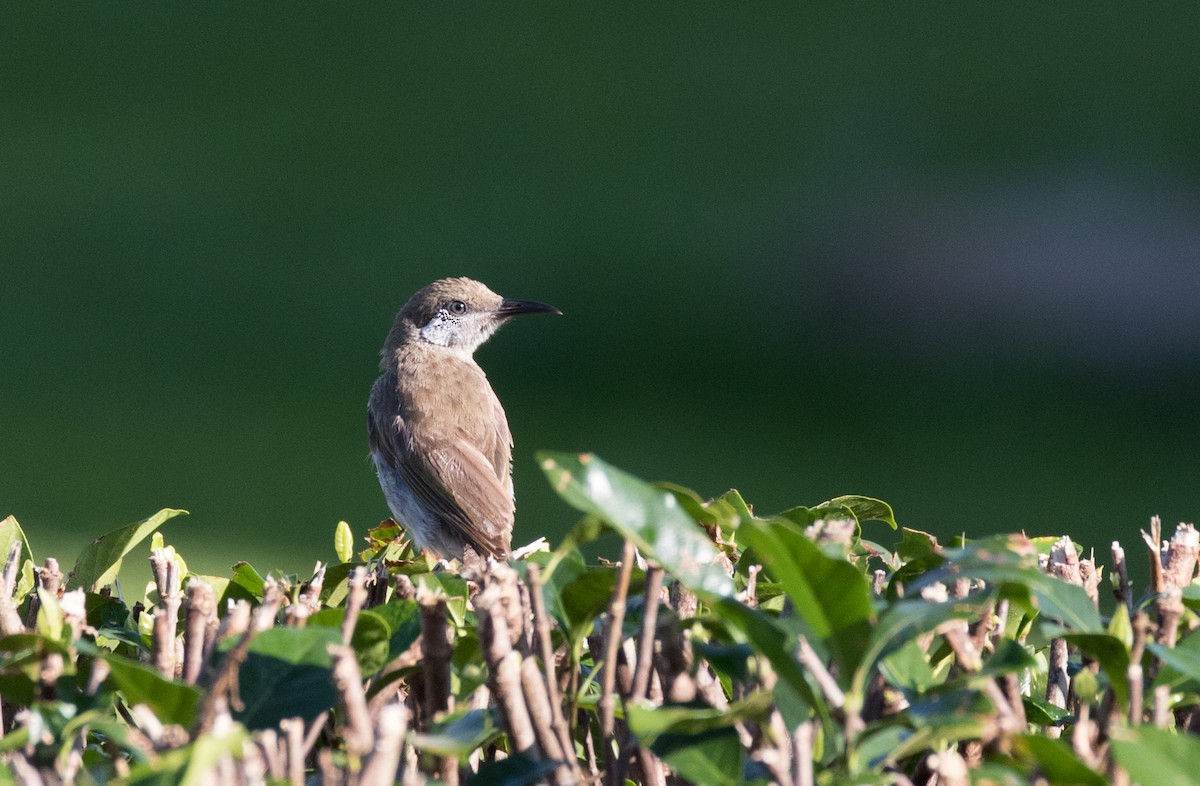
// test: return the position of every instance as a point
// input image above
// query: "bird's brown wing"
(479, 507)
(431, 462)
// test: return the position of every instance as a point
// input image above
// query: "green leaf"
(725, 512)
(863, 508)
(1113, 656)
(1181, 664)
(369, 639)
(852, 506)
(1157, 756)
(105, 610)
(1056, 761)
(517, 770)
(458, 733)
(710, 758)
(908, 668)
(246, 578)
(650, 517)
(10, 533)
(336, 586)
(207, 752)
(1043, 713)
(453, 587)
(403, 618)
(172, 702)
(50, 616)
(100, 562)
(559, 569)
(287, 674)
(796, 699)
(902, 622)
(649, 722)
(1191, 597)
(1010, 561)
(698, 741)
(830, 594)
(343, 542)
(585, 598)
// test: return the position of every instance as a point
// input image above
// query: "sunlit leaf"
(829, 594)
(698, 741)
(248, 579)
(10, 533)
(1011, 563)
(208, 751)
(100, 562)
(343, 542)
(650, 517)
(899, 624)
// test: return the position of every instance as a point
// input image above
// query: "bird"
(438, 435)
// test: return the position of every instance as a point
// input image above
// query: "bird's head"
(460, 314)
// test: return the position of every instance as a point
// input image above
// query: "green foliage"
(286, 674)
(650, 517)
(101, 560)
(889, 661)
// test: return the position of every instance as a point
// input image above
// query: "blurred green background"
(944, 255)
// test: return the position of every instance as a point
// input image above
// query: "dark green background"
(941, 254)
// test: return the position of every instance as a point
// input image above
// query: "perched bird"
(438, 434)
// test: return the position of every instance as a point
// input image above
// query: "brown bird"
(438, 434)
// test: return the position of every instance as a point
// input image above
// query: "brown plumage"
(438, 435)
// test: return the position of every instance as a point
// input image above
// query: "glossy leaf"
(1043, 713)
(828, 593)
(457, 734)
(343, 542)
(100, 562)
(248, 579)
(649, 722)
(650, 517)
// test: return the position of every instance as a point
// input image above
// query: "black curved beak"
(510, 308)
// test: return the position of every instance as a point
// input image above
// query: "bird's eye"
(457, 307)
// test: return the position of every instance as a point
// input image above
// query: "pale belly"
(423, 527)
